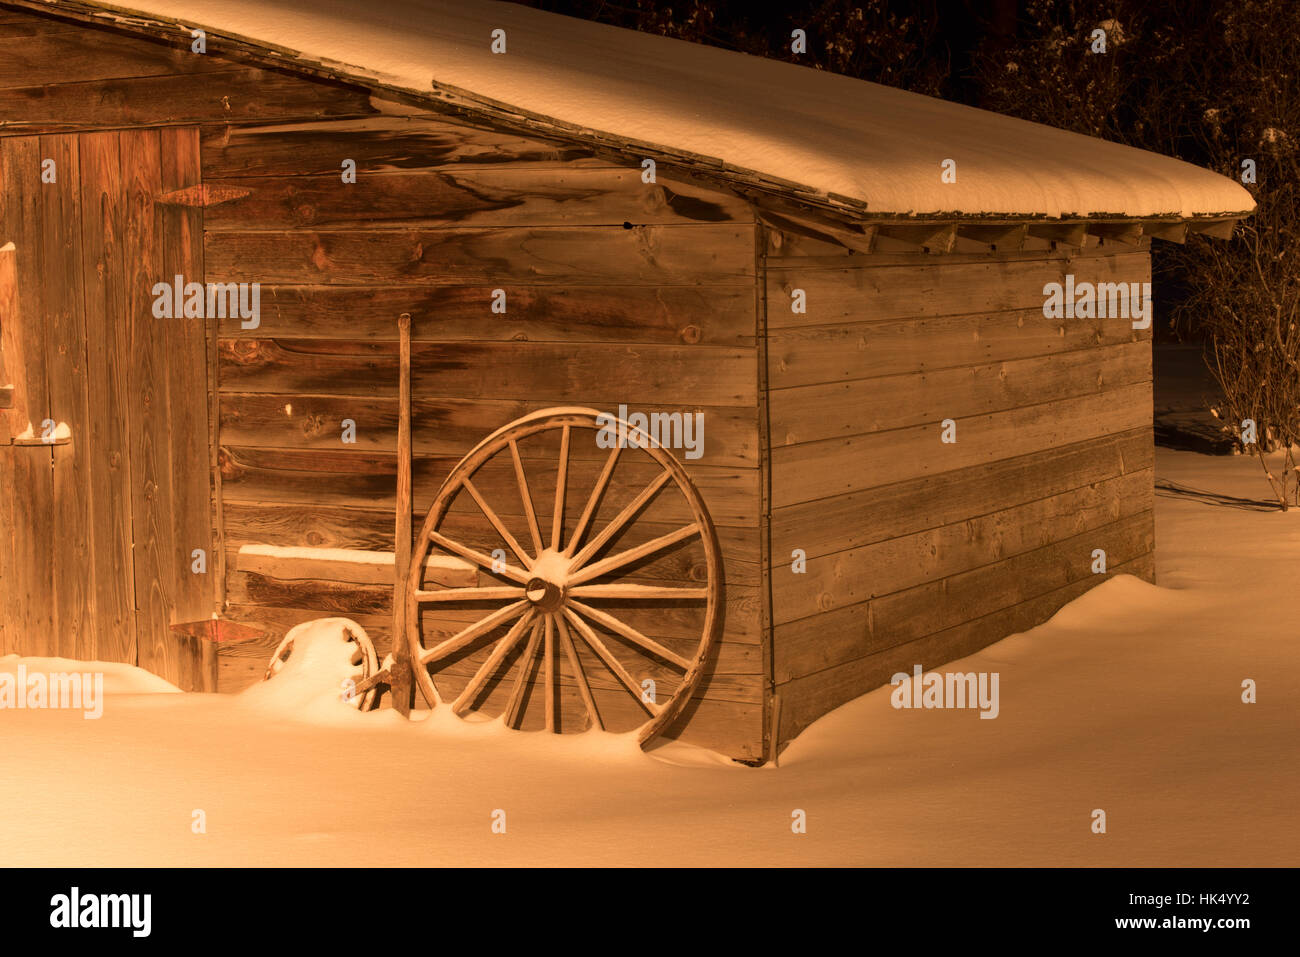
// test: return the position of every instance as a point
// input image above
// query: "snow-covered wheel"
(363, 657)
(569, 606)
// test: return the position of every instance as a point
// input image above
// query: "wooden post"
(401, 686)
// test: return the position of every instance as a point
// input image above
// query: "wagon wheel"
(561, 593)
(363, 656)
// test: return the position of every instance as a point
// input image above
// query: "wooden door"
(106, 527)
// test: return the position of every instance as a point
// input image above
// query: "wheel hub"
(545, 589)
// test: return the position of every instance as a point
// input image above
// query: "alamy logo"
(669, 430)
(74, 909)
(215, 300)
(1103, 300)
(951, 690)
(75, 691)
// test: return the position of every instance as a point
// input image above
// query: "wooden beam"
(1215, 228)
(1174, 232)
(1121, 234)
(1060, 234)
(935, 238)
(1003, 237)
(788, 218)
(401, 687)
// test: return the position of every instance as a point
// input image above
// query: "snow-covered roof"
(858, 145)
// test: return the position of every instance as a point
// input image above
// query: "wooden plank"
(556, 373)
(32, 476)
(650, 255)
(813, 356)
(92, 55)
(377, 144)
(803, 473)
(727, 727)
(872, 291)
(809, 697)
(336, 527)
(291, 563)
(15, 24)
(186, 365)
(226, 97)
(367, 479)
(474, 197)
(441, 426)
(682, 566)
(859, 574)
(157, 562)
(915, 612)
(872, 515)
(830, 410)
(196, 662)
(667, 315)
(107, 358)
(329, 597)
(64, 347)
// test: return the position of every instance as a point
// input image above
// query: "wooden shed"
(907, 450)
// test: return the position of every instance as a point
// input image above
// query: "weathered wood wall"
(616, 292)
(110, 521)
(920, 552)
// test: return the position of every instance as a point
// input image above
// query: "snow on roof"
(855, 143)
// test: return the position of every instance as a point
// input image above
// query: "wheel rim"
(560, 604)
(363, 657)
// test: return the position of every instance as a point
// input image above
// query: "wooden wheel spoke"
(503, 648)
(563, 595)
(561, 487)
(620, 520)
(628, 590)
(632, 635)
(490, 593)
(572, 654)
(478, 558)
(612, 663)
(549, 672)
(594, 499)
(463, 637)
(607, 565)
(517, 691)
(527, 497)
(492, 517)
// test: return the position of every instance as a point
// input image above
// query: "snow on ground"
(1129, 700)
